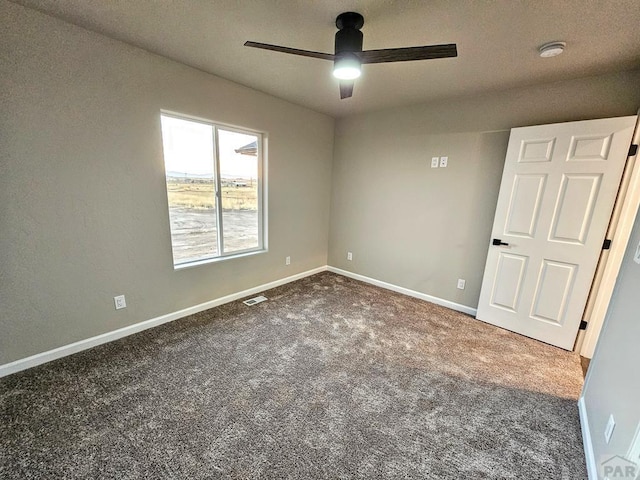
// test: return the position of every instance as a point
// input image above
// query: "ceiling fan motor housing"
(349, 36)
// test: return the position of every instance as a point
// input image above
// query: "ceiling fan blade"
(293, 51)
(408, 54)
(346, 89)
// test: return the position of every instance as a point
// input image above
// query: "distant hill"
(172, 174)
(202, 176)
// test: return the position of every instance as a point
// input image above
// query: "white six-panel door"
(558, 189)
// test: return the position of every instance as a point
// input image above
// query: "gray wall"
(423, 228)
(83, 206)
(613, 382)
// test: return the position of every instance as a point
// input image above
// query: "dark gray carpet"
(331, 378)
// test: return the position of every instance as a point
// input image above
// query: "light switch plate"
(434, 162)
(636, 257)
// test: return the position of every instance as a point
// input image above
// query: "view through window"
(214, 188)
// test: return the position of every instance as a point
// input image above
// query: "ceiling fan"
(349, 56)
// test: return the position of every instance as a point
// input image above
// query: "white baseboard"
(592, 469)
(44, 357)
(65, 350)
(412, 293)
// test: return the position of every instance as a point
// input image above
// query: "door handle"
(497, 241)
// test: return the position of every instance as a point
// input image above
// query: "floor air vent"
(254, 300)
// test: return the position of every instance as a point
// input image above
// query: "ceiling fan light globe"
(346, 73)
(347, 68)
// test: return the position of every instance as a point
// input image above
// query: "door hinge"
(633, 149)
(606, 245)
(583, 325)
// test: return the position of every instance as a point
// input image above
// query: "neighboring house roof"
(249, 149)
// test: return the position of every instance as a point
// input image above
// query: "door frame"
(619, 231)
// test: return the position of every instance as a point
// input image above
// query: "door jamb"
(619, 231)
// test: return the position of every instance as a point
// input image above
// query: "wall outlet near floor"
(287, 261)
(444, 162)
(120, 302)
(461, 283)
(435, 161)
(608, 431)
(349, 256)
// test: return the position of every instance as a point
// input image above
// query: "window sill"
(205, 261)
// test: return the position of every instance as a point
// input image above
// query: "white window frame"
(261, 198)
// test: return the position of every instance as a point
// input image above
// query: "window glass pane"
(189, 167)
(238, 156)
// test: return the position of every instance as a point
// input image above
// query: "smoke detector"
(551, 49)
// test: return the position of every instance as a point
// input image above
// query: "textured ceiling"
(497, 42)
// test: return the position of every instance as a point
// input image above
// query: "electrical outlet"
(444, 161)
(349, 256)
(287, 261)
(434, 162)
(120, 302)
(608, 431)
(461, 283)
